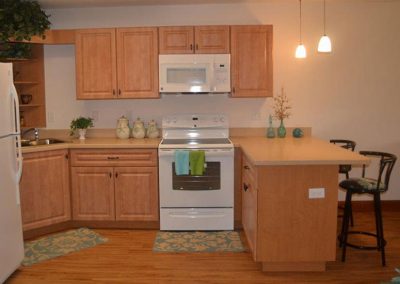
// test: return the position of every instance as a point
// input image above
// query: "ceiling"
(109, 3)
(48, 4)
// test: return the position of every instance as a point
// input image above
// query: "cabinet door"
(211, 39)
(176, 40)
(92, 193)
(249, 206)
(251, 61)
(96, 73)
(44, 189)
(136, 193)
(137, 63)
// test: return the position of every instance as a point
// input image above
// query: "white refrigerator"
(11, 240)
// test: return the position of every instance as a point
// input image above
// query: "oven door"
(213, 189)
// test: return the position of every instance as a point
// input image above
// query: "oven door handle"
(209, 153)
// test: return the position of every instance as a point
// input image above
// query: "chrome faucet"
(35, 132)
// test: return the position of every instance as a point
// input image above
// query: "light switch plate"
(314, 193)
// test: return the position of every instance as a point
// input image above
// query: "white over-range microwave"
(194, 73)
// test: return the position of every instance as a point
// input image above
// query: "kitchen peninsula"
(288, 190)
(289, 200)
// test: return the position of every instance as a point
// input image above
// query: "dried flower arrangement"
(281, 106)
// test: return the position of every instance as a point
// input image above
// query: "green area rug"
(60, 244)
(219, 241)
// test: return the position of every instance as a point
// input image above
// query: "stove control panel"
(191, 121)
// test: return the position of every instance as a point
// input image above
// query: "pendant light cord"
(324, 19)
(301, 41)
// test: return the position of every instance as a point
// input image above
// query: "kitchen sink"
(47, 141)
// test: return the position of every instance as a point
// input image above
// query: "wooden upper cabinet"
(211, 39)
(117, 63)
(137, 63)
(96, 68)
(176, 40)
(199, 39)
(251, 61)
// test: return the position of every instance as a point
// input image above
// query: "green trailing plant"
(80, 123)
(19, 21)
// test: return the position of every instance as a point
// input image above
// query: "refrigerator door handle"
(18, 131)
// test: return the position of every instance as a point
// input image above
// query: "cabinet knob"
(116, 175)
(66, 156)
(245, 187)
(246, 167)
(191, 46)
(110, 174)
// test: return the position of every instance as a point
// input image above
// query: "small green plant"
(80, 123)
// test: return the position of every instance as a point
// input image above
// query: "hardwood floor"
(128, 258)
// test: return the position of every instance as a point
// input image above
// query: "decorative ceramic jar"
(297, 133)
(138, 130)
(152, 130)
(122, 128)
(281, 130)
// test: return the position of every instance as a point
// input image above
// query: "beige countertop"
(296, 151)
(260, 150)
(91, 143)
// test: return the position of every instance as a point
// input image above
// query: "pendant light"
(300, 50)
(324, 44)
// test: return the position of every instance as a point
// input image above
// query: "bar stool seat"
(375, 187)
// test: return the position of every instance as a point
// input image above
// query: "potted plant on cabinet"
(19, 21)
(81, 124)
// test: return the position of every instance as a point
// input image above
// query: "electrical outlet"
(256, 116)
(314, 193)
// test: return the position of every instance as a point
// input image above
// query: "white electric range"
(202, 202)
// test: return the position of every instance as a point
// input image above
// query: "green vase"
(270, 129)
(281, 130)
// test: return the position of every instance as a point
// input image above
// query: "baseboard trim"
(368, 205)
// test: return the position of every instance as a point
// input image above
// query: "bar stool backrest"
(386, 164)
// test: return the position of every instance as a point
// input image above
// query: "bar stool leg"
(351, 209)
(345, 225)
(379, 227)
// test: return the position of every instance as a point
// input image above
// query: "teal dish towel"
(197, 160)
(181, 162)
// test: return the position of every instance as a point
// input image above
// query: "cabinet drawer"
(111, 157)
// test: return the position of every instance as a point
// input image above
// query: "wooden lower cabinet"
(92, 193)
(44, 189)
(285, 229)
(136, 194)
(110, 192)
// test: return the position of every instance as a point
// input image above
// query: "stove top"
(205, 143)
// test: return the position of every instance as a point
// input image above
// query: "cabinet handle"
(245, 187)
(191, 46)
(110, 174)
(197, 46)
(119, 92)
(113, 92)
(246, 167)
(112, 158)
(116, 175)
(66, 156)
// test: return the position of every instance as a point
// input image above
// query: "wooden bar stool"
(345, 169)
(371, 186)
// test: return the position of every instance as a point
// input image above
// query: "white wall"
(352, 93)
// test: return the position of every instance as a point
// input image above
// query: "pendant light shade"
(325, 45)
(301, 49)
